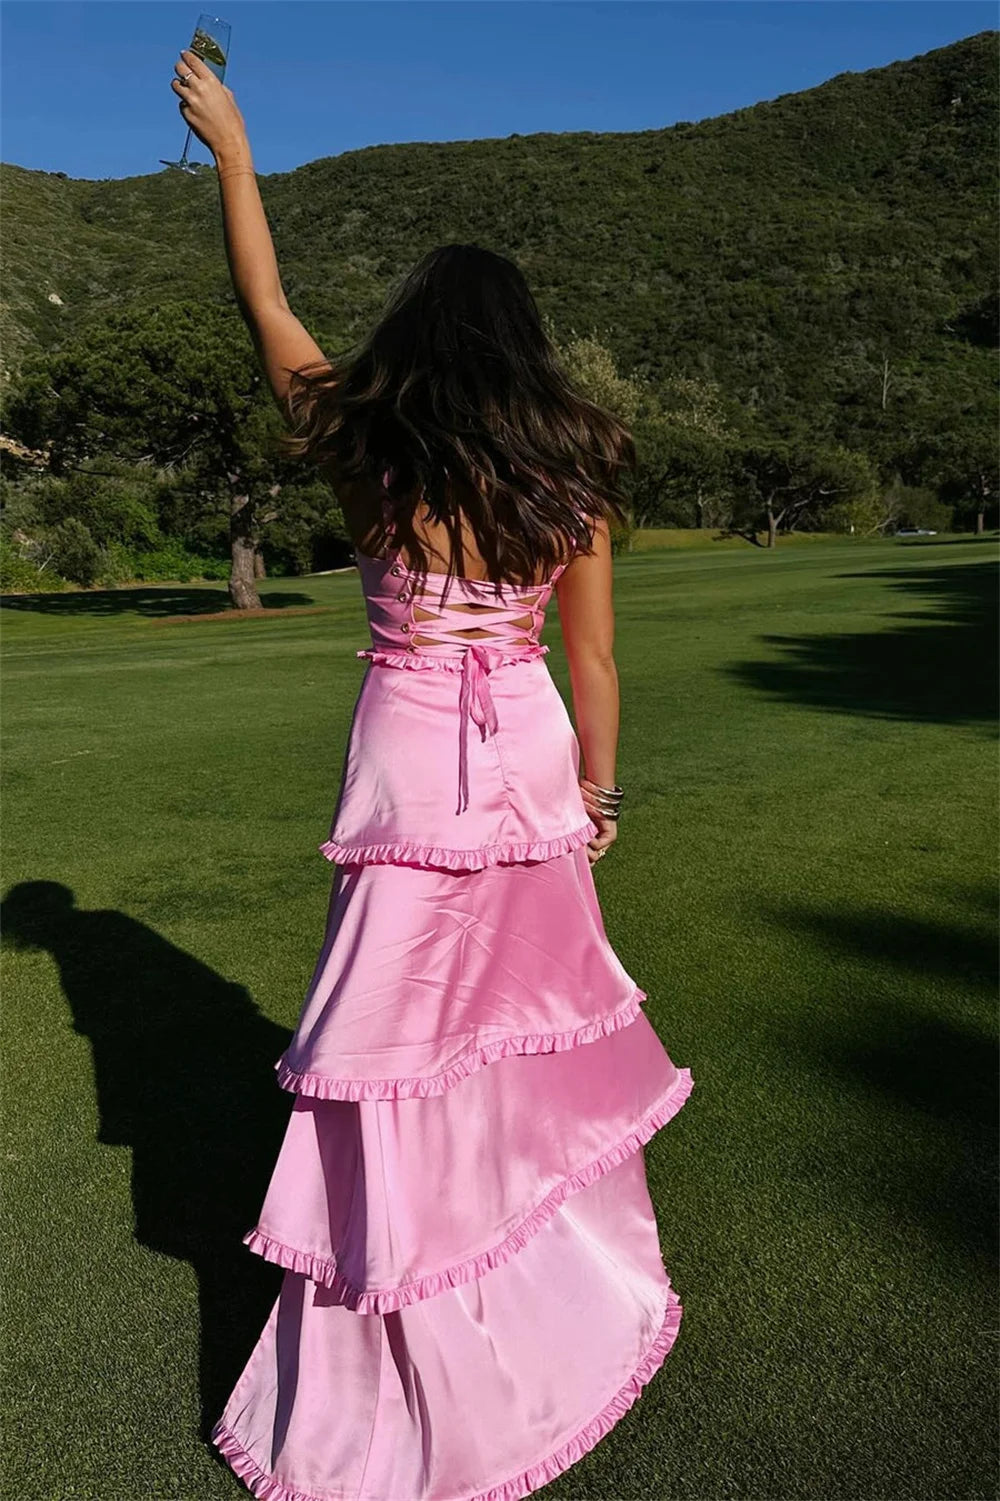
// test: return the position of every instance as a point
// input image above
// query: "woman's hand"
(207, 105)
(607, 827)
(604, 840)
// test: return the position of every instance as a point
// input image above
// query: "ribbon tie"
(475, 702)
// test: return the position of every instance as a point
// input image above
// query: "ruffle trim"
(415, 661)
(325, 1087)
(403, 852)
(267, 1488)
(324, 1270)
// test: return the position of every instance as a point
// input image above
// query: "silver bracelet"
(605, 800)
(613, 794)
(607, 794)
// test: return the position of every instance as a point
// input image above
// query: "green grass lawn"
(655, 538)
(805, 885)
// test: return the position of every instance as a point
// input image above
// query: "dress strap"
(560, 568)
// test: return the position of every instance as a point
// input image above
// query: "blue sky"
(86, 87)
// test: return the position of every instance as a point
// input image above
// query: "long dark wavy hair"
(457, 393)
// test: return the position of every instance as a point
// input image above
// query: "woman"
(473, 1292)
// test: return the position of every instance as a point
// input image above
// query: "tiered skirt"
(473, 1292)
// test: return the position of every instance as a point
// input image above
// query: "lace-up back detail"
(515, 623)
(436, 616)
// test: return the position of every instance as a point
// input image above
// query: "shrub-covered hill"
(785, 250)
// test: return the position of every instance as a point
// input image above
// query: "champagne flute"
(211, 44)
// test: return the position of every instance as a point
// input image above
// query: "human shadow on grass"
(148, 603)
(184, 1075)
(941, 669)
(885, 1046)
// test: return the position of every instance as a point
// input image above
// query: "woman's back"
(365, 511)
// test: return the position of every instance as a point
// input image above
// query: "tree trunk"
(242, 592)
(259, 566)
(772, 528)
(980, 522)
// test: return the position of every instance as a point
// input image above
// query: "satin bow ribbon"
(476, 702)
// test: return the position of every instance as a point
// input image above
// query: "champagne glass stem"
(187, 142)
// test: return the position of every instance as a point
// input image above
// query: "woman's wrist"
(586, 776)
(235, 153)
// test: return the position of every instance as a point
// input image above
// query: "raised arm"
(281, 341)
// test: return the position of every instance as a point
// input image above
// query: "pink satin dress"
(473, 1291)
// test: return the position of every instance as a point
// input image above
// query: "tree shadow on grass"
(970, 539)
(184, 1076)
(923, 947)
(147, 602)
(881, 1045)
(942, 669)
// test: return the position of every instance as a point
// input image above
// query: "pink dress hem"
(324, 1087)
(324, 1270)
(266, 1488)
(402, 852)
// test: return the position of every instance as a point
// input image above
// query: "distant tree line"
(147, 450)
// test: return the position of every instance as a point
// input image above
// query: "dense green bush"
(918, 505)
(117, 566)
(115, 500)
(19, 575)
(75, 554)
(72, 555)
(621, 536)
(170, 563)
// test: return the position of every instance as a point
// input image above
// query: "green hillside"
(795, 306)
(776, 249)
